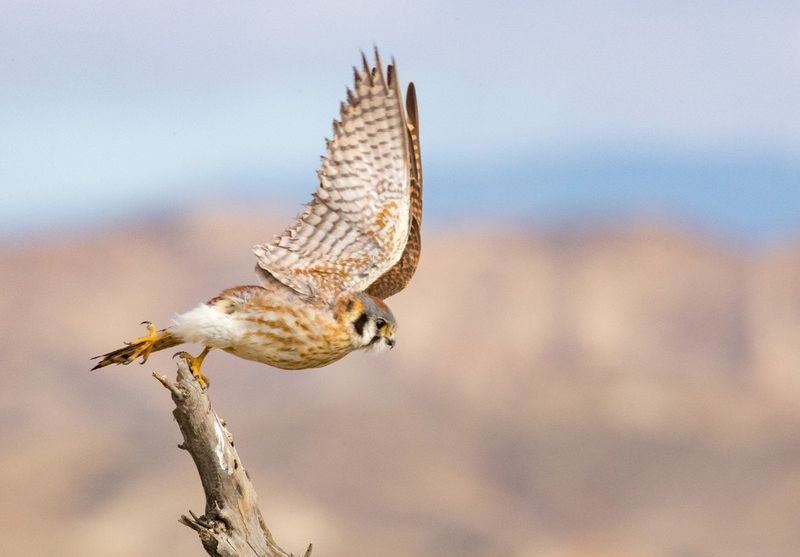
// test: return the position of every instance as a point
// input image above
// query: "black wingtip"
(411, 103)
(378, 69)
(366, 67)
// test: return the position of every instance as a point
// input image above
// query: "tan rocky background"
(618, 390)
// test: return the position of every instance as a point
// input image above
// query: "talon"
(144, 344)
(141, 347)
(195, 362)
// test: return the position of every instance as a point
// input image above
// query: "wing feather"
(396, 278)
(356, 226)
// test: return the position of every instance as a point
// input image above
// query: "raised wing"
(396, 278)
(356, 226)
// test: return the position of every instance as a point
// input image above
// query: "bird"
(323, 280)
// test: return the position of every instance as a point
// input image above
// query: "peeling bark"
(232, 525)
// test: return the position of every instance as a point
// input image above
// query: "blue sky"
(543, 111)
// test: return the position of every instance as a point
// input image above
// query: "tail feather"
(127, 354)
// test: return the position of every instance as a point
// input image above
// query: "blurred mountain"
(624, 390)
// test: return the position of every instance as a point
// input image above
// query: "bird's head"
(371, 323)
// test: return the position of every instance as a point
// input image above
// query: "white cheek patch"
(368, 332)
(378, 346)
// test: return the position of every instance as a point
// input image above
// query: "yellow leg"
(144, 345)
(195, 362)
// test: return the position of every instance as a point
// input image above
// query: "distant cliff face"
(617, 391)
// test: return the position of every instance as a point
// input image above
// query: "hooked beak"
(390, 342)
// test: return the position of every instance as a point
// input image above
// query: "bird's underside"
(323, 280)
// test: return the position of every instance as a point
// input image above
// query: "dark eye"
(380, 324)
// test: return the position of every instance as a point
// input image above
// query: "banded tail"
(144, 346)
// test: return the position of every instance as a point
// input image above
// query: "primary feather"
(356, 227)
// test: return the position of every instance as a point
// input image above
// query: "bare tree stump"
(232, 525)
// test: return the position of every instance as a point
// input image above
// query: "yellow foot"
(143, 346)
(194, 365)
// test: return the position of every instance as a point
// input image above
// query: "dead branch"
(232, 525)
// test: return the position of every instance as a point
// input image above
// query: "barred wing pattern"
(396, 278)
(356, 226)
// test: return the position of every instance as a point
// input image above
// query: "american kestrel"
(324, 279)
